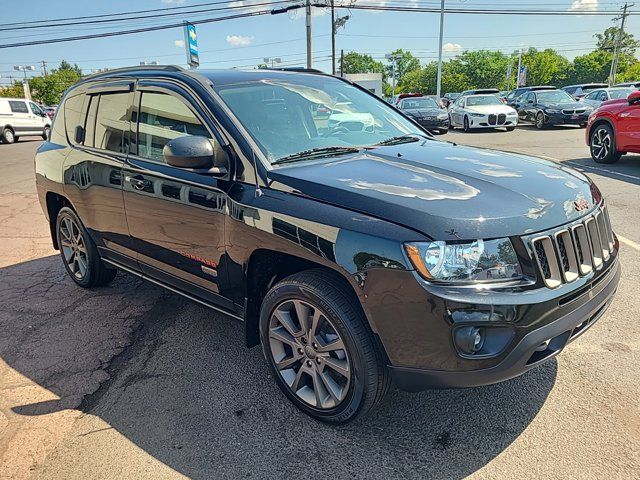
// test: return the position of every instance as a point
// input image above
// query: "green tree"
(354, 62)
(49, 90)
(482, 68)
(607, 41)
(591, 67)
(405, 62)
(546, 67)
(13, 91)
(632, 73)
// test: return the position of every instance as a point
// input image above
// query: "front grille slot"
(594, 241)
(607, 223)
(502, 118)
(568, 112)
(567, 255)
(582, 248)
(546, 257)
(602, 233)
(492, 119)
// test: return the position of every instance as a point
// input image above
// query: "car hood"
(564, 105)
(506, 109)
(421, 112)
(445, 191)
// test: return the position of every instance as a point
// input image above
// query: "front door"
(37, 118)
(176, 217)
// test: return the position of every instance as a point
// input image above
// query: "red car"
(614, 129)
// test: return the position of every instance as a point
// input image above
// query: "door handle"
(138, 182)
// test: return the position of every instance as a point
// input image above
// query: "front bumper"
(433, 123)
(526, 353)
(566, 119)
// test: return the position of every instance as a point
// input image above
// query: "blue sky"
(244, 42)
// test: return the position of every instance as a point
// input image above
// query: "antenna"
(255, 171)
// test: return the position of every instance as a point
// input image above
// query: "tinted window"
(18, 107)
(592, 95)
(620, 92)
(111, 122)
(36, 109)
(162, 118)
(70, 115)
(90, 123)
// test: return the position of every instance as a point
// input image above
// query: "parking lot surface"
(131, 381)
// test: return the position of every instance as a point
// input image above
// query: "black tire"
(8, 136)
(510, 129)
(602, 144)
(369, 379)
(440, 132)
(45, 133)
(466, 126)
(583, 125)
(96, 273)
(540, 121)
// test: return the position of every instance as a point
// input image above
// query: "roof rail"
(159, 68)
(297, 69)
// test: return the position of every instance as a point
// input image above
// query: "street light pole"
(308, 15)
(333, 39)
(439, 82)
(519, 67)
(25, 85)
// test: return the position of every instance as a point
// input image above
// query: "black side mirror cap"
(197, 154)
(78, 135)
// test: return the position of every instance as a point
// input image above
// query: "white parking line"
(628, 242)
(598, 169)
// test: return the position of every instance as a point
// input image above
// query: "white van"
(22, 117)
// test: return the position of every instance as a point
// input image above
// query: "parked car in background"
(596, 97)
(20, 117)
(513, 95)
(399, 96)
(352, 257)
(614, 129)
(50, 111)
(482, 111)
(426, 112)
(552, 107)
(580, 90)
(480, 91)
(449, 98)
(635, 84)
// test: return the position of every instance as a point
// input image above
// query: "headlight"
(443, 116)
(479, 260)
(552, 110)
(477, 115)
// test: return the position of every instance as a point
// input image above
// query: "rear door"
(176, 217)
(628, 128)
(93, 168)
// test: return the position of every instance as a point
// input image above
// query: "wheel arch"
(600, 121)
(55, 202)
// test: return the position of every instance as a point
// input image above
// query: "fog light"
(469, 339)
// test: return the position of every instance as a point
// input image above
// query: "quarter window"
(71, 114)
(161, 118)
(18, 107)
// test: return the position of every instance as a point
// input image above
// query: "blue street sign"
(191, 44)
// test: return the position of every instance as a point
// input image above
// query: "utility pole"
(44, 67)
(333, 38)
(439, 82)
(308, 11)
(393, 58)
(616, 49)
(342, 63)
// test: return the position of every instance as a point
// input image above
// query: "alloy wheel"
(8, 136)
(74, 249)
(601, 143)
(540, 120)
(309, 354)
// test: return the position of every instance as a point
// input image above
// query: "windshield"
(617, 93)
(305, 112)
(418, 103)
(478, 100)
(554, 96)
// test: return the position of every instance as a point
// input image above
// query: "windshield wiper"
(315, 152)
(398, 140)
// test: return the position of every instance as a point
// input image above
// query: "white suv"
(22, 117)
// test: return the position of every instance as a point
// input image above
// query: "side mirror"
(197, 154)
(634, 97)
(78, 135)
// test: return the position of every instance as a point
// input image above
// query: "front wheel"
(45, 133)
(602, 144)
(466, 124)
(319, 347)
(79, 254)
(540, 121)
(510, 129)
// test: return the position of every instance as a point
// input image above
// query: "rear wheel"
(79, 254)
(603, 145)
(540, 121)
(322, 354)
(8, 136)
(45, 133)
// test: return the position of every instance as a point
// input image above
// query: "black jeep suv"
(355, 248)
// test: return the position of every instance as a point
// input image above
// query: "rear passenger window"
(111, 122)
(70, 113)
(18, 107)
(162, 118)
(90, 123)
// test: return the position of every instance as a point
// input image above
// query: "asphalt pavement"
(131, 381)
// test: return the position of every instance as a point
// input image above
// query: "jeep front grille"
(569, 252)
